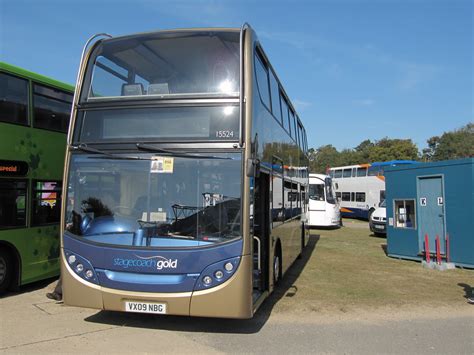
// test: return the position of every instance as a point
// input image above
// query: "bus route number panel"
(145, 307)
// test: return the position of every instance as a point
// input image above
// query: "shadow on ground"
(213, 325)
(468, 290)
(35, 286)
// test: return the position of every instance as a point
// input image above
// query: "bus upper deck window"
(187, 63)
(347, 173)
(361, 172)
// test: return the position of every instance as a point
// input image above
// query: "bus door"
(261, 245)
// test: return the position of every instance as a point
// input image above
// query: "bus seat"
(132, 89)
(158, 89)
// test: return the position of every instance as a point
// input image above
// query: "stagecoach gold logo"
(154, 262)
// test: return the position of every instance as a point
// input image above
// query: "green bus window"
(52, 108)
(13, 99)
(46, 205)
(12, 203)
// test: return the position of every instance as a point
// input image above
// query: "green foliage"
(451, 145)
(366, 152)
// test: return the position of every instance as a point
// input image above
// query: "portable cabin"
(430, 209)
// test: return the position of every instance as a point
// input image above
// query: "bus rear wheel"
(276, 266)
(6, 270)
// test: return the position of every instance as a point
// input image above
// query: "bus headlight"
(228, 267)
(207, 280)
(81, 266)
(217, 273)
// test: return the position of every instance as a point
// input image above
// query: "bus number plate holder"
(145, 307)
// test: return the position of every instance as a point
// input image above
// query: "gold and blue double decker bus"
(186, 176)
(34, 118)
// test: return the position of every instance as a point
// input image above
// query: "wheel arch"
(13, 251)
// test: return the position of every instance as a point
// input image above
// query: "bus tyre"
(370, 213)
(276, 266)
(6, 270)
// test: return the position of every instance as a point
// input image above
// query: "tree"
(393, 149)
(322, 158)
(451, 145)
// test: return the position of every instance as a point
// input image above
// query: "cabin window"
(346, 196)
(338, 173)
(347, 173)
(404, 214)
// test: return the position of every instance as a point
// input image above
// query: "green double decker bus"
(34, 119)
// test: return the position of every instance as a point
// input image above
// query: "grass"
(348, 269)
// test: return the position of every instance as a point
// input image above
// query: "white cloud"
(300, 104)
(364, 102)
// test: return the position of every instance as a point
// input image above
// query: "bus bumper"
(232, 299)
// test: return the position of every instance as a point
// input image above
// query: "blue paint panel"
(116, 265)
(132, 281)
(355, 213)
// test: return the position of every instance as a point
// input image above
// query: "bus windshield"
(154, 201)
(330, 196)
(316, 192)
(165, 64)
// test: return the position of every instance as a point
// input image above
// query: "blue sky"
(355, 69)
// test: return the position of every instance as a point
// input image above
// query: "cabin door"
(430, 207)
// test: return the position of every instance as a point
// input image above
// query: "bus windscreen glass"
(156, 201)
(165, 64)
(330, 196)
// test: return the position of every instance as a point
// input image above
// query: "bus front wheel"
(6, 270)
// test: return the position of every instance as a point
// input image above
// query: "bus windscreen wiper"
(152, 148)
(85, 148)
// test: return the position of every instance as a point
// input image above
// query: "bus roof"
(392, 162)
(376, 164)
(13, 69)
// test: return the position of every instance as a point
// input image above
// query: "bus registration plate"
(145, 307)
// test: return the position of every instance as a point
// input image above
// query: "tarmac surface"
(30, 323)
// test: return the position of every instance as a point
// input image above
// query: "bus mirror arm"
(253, 168)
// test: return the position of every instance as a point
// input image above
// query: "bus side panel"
(43, 151)
(289, 234)
(230, 300)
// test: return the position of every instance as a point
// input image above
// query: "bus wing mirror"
(253, 168)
